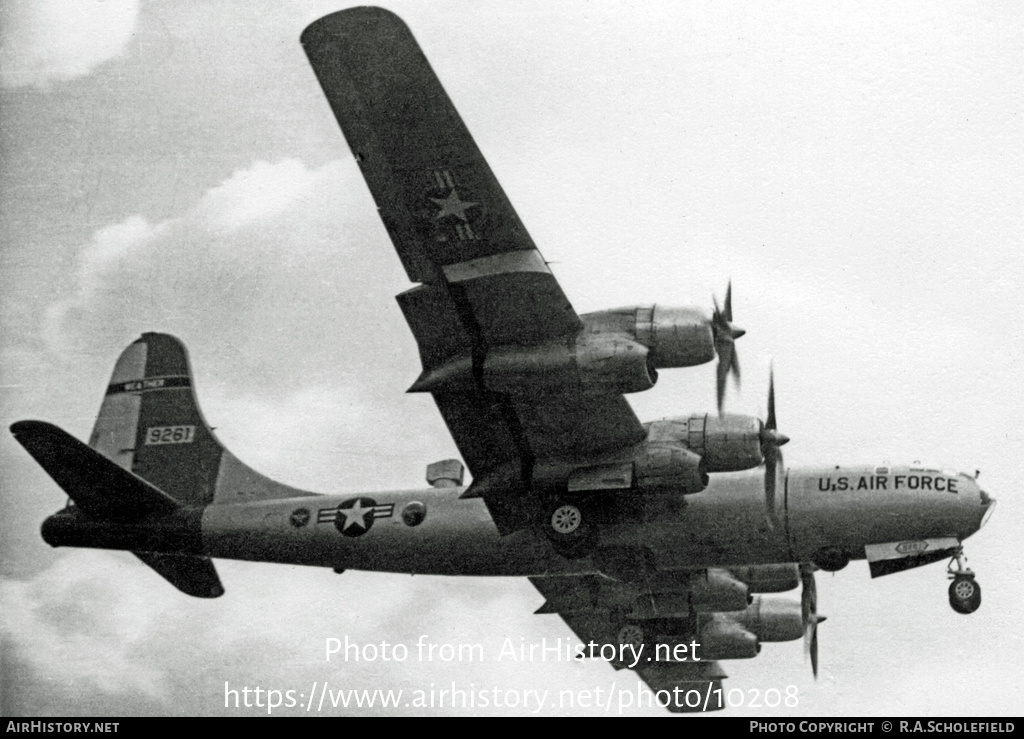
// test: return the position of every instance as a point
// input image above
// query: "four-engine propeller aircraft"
(651, 537)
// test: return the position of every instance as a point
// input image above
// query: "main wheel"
(964, 595)
(631, 634)
(634, 642)
(566, 519)
(571, 533)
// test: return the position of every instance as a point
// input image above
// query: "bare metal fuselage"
(724, 525)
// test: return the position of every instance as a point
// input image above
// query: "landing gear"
(964, 591)
(631, 634)
(566, 519)
(654, 639)
(568, 527)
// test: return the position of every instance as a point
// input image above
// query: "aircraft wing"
(591, 605)
(448, 217)
(484, 284)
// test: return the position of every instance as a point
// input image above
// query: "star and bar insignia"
(354, 517)
(453, 206)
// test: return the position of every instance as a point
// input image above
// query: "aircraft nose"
(988, 505)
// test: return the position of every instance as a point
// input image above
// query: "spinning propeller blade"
(725, 335)
(774, 469)
(809, 608)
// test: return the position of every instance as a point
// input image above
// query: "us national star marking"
(453, 206)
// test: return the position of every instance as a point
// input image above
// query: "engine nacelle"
(612, 363)
(590, 362)
(721, 638)
(655, 468)
(773, 619)
(707, 592)
(726, 443)
(769, 578)
(717, 590)
(669, 467)
(676, 337)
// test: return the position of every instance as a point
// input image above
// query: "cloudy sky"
(854, 168)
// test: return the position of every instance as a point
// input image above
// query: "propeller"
(725, 335)
(774, 470)
(809, 609)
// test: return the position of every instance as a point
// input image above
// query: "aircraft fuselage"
(434, 531)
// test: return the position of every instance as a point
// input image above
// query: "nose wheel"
(964, 590)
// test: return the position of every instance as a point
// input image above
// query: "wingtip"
(337, 23)
(23, 428)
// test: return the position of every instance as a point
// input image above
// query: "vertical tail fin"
(151, 464)
(150, 423)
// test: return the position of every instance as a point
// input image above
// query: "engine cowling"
(721, 638)
(717, 590)
(726, 443)
(669, 467)
(596, 363)
(773, 619)
(769, 578)
(674, 596)
(650, 467)
(676, 337)
(600, 363)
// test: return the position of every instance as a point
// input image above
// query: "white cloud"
(288, 397)
(47, 40)
(110, 245)
(75, 616)
(269, 237)
(99, 634)
(261, 193)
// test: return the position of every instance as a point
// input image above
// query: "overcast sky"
(854, 168)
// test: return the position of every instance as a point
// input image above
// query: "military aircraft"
(660, 540)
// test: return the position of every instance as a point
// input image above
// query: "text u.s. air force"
(938, 483)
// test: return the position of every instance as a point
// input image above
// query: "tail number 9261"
(170, 434)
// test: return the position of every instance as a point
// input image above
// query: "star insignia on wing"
(453, 206)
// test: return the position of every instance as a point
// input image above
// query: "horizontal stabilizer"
(192, 575)
(97, 485)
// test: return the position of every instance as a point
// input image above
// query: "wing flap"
(578, 425)
(435, 323)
